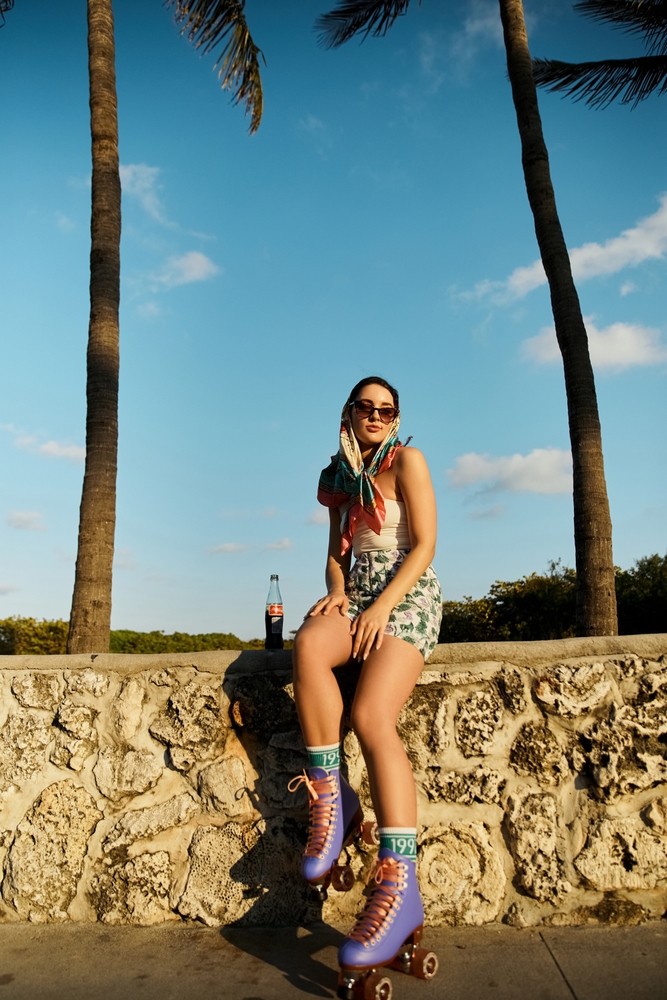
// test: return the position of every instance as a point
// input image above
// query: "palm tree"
(631, 80)
(596, 597)
(207, 24)
(5, 5)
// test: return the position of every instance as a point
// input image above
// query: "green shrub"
(543, 607)
(21, 636)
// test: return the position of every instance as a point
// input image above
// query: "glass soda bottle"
(273, 618)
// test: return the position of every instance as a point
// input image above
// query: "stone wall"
(140, 789)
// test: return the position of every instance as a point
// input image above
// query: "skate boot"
(386, 933)
(335, 820)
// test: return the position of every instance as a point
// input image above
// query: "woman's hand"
(336, 599)
(368, 630)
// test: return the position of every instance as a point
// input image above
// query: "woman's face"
(371, 431)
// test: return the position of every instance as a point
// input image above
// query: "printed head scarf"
(346, 478)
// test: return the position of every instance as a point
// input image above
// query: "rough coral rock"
(120, 772)
(655, 815)
(536, 751)
(611, 910)
(246, 874)
(126, 709)
(512, 690)
(478, 718)
(134, 892)
(648, 716)
(479, 785)
(141, 824)
(623, 854)
(460, 875)
(23, 742)
(45, 860)
(572, 691)
(421, 724)
(87, 681)
(37, 690)
(620, 760)
(75, 737)
(192, 723)
(261, 705)
(532, 823)
(224, 787)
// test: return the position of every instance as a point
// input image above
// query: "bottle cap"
(274, 576)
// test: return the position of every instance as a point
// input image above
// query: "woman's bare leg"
(322, 643)
(387, 679)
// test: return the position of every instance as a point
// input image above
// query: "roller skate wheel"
(342, 878)
(369, 833)
(377, 987)
(424, 963)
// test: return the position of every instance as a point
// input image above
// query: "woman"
(384, 612)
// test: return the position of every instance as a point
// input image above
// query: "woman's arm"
(414, 483)
(338, 567)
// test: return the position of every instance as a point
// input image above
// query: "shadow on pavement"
(293, 952)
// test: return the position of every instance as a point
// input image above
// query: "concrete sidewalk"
(93, 962)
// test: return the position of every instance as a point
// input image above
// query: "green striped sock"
(399, 839)
(327, 757)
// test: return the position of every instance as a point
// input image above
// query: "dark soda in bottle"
(273, 618)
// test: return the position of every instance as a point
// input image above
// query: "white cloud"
(318, 516)
(319, 133)
(487, 513)
(645, 241)
(544, 470)
(280, 546)
(141, 182)
(481, 27)
(123, 559)
(619, 346)
(64, 222)
(26, 520)
(192, 266)
(228, 547)
(52, 449)
(5, 589)
(149, 310)
(58, 450)
(627, 287)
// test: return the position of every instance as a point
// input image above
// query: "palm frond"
(639, 17)
(600, 83)
(5, 5)
(351, 17)
(209, 23)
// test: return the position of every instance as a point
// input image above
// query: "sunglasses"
(364, 408)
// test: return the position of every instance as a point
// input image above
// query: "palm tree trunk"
(90, 620)
(596, 595)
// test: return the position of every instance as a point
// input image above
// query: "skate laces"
(390, 877)
(323, 794)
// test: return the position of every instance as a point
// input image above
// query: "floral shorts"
(417, 617)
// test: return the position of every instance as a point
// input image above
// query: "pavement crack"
(557, 964)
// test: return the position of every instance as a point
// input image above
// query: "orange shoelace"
(323, 795)
(384, 902)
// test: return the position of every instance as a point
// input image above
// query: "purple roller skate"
(334, 822)
(386, 933)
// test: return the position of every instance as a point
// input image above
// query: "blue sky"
(377, 223)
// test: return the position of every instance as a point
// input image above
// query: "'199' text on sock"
(327, 757)
(400, 840)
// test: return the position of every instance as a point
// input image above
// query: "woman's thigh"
(325, 639)
(386, 682)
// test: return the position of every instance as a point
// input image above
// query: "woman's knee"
(371, 723)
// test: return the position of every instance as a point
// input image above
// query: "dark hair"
(374, 380)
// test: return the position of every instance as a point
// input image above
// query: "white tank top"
(394, 533)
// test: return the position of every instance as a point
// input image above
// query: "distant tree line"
(543, 606)
(534, 607)
(27, 636)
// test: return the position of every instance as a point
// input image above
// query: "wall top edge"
(450, 655)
